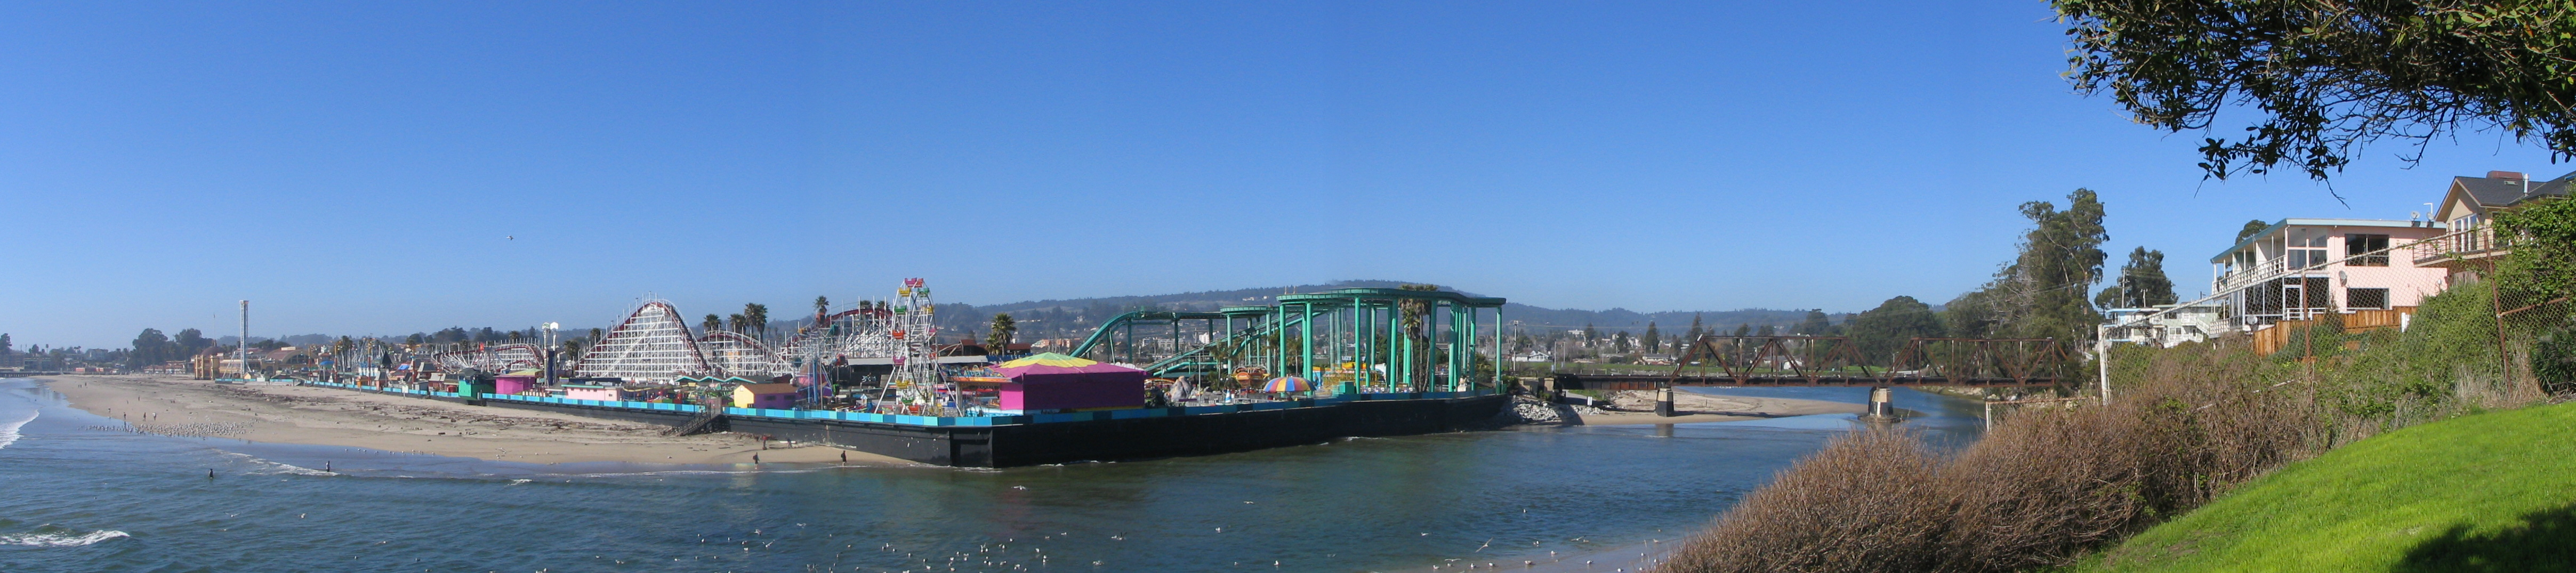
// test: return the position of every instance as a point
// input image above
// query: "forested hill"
(1060, 318)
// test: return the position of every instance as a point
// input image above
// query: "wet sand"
(335, 417)
(1637, 408)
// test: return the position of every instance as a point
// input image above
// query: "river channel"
(85, 496)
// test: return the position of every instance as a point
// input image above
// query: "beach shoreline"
(1636, 407)
(332, 417)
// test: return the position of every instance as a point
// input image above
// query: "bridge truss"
(1839, 361)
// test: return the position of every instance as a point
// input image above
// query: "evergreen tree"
(1816, 324)
(1695, 329)
(2041, 293)
(1881, 331)
(190, 343)
(2142, 282)
(1653, 342)
(1744, 329)
(150, 348)
(2250, 228)
(4, 344)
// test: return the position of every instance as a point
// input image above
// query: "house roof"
(2491, 192)
(2277, 226)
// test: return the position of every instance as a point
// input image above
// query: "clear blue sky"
(354, 169)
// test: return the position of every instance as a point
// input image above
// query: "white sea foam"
(59, 539)
(269, 468)
(9, 430)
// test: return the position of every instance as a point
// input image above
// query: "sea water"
(84, 495)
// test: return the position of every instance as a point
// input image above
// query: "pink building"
(596, 392)
(2298, 269)
(515, 382)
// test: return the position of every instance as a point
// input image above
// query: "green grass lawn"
(2488, 492)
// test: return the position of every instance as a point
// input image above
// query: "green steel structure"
(1345, 341)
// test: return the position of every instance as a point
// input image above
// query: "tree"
(822, 307)
(1880, 332)
(1744, 329)
(1653, 341)
(190, 342)
(4, 344)
(1619, 342)
(999, 340)
(710, 325)
(2250, 228)
(1816, 324)
(758, 316)
(740, 324)
(1590, 334)
(1696, 330)
(2040, 294)
(2324, 79)
(150, 348)
(2142, 283)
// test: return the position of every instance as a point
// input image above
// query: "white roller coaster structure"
(653, 344)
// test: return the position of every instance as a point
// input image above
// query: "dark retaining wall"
(1096, 440)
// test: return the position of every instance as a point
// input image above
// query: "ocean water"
(82, 494)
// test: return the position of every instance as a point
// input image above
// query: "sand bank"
(335, 417)
(1637, 407)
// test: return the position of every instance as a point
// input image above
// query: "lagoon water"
(84, 495)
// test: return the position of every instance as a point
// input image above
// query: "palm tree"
(755, 318)
(711, 325)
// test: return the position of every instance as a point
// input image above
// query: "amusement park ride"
(1346, 340)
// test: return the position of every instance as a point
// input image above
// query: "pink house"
(2298, 269)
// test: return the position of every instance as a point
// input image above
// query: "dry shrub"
(1869, 501)
(2034, 492)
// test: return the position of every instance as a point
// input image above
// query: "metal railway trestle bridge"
(1839, 361)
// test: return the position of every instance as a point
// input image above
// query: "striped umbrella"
(1287, 384)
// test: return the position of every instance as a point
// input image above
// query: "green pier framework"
(1343, 341)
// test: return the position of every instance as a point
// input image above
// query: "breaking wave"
(9, 430)
(64, 539)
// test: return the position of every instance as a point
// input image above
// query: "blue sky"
(355, 168)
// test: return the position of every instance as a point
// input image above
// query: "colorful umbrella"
(1047, 359)
(1287, 384)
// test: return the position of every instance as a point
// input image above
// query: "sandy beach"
(335, 417)
(1691, 407)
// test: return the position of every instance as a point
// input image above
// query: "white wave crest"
(9, 431)
(270, 468)
(59, 539)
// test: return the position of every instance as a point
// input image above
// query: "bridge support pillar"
(1882, 403)
(1664, 401)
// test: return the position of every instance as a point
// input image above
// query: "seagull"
(509, 237)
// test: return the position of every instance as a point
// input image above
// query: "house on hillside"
(2304, 269)
(2467, 209)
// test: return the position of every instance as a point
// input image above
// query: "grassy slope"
(2489, 492)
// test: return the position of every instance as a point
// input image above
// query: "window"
(2372, 298)
(2365, 250)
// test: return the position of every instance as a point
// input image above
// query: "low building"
(775, 396)
(602, 392)
(2166, 325)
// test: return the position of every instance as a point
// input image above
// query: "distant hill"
(1067, 318)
